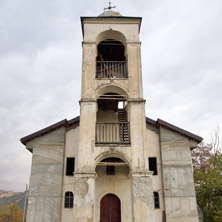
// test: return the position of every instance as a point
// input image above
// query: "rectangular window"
(153, 165)
(156, 200)
(110, 170)
(70, 166)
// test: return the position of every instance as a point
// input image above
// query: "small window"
(69, 200)
(110, 170)
(70, 166)
(156, 200)
(153, 165)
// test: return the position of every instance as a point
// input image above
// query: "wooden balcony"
(113, 133)
(111, 69)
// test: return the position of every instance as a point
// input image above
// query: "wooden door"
(110, 209)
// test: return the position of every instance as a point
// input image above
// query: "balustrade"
(113, 133)
(111, 69)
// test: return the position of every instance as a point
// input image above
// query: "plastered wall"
(44, 200)
(180, 199)
(153, 150)
(71, 150)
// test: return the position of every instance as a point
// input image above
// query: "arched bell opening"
(111, 50)
(111, 59)
(112, 124)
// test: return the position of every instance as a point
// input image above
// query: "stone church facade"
(111, 164)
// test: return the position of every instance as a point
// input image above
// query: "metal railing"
(111, 69)
(112, 133)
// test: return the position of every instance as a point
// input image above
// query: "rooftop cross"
(110, 7)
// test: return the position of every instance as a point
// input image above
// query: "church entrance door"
(110, 209)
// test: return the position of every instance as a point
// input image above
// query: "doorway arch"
(110, 208)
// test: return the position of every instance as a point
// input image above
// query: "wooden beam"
(112, 164)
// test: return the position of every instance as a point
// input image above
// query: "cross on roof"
(110, 7)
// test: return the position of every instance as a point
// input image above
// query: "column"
(84, 197)
(137, 132)
(86, 135)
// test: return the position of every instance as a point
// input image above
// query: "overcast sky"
(40, 68)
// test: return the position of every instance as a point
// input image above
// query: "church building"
(111, 163)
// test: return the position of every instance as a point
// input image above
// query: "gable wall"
(178, 181)
(44, 201)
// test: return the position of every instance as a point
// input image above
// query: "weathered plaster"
(180, 200)
(142, 191)
(84, 187)
(152, 149)
(45, 196)
(81, 187)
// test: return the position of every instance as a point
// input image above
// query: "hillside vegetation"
(7, 197)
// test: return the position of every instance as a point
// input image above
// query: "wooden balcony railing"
(112, 133)
(111, 69)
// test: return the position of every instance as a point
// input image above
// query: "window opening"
(68, 199)
(70, 166)
(153, 165)
(110, 170)
(120, 105)
(156, 200)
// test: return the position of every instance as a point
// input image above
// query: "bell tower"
(111, 163)
(111, 153)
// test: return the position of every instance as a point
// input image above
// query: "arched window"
(68, 199)
(156, 200)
